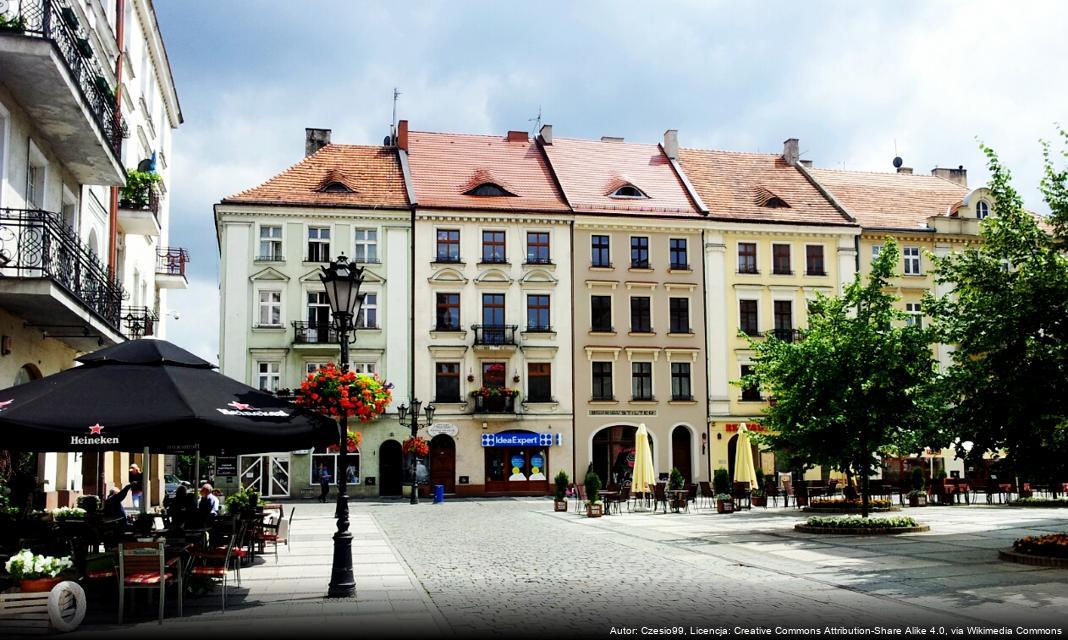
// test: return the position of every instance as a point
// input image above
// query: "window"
(679, 315)
(641, 380)
(679, 258)
(915, 314)
(628, 191)
(493, 374)
(488, 189)
(599, 252)
(539, 382)
(363, 367)
(750, 393)
(365, 245)
(270, 243)
(447, 382)
(538, 312)
(323, 461)
(312, 367)
(641, 315)
(912, 261)
(814, 260)
(36, 177)
(318, 244)
(784, 320)
(493, 309)
(747, 258)
(538, 247)
(448, 317)
(493, 247)
(318, 314)
(780, 259)
(448, 245)
(680, 381)
(602, 380)
(639, 252)
(601, 313)
(268, 376)
(368, 316)
(876, 249)
(747, 317)
(982, 209)
(270, 308)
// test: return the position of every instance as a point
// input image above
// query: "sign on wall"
(226, 466)
(443, 428)
(522, 439)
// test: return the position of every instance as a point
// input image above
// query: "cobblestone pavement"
(512, 566)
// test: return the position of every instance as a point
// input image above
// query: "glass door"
(279, 476)
(252, 473)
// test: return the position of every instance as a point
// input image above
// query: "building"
(275, 317)
(771, 242)
(492, 328)
(79, 271)
(638, 316)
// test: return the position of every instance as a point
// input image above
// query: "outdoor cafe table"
(675, 498)
(605, 495)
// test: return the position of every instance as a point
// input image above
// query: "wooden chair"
(771, 490)
(787, 491)
(143, 565)
(691, 497)
(832, 487)
(660, 495)
(706, 492)
(211, 565)
(741, 495)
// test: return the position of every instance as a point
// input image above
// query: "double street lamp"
(342, 282)
(411, 419)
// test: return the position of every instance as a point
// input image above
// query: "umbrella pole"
(146, 480)
(196, 468)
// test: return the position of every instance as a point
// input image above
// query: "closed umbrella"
(743, 459)
(644, 473)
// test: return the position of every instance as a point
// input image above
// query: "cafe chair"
(275, 532)
(144, 565)
(211, 564)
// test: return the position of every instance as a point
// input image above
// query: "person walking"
(324, 483)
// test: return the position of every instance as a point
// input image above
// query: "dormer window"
(982, 209)
(335, 187)
(488, 189)
(765, 198)
(335, 181)
(628, 191)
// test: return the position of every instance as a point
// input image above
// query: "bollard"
(439, 493)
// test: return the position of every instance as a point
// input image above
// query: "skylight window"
(488, 189)
(628, 191)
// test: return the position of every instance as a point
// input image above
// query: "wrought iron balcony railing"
(52, 20)
(171, 261)
(494, 334)
(138, 322)
(314, 333)
(36, 244)
(494, 404)
(786, 335)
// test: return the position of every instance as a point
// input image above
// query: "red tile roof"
(740, 186)
(372, 173)
(891, 200)
(590, 170)
(445, 166)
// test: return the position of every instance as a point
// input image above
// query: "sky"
(856, 82)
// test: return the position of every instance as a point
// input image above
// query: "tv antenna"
(393, 126)
(537, 122)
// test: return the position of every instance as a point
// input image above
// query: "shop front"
(517, 462)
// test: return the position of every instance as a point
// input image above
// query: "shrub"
(593, 485)
(1054, 544)
(721, 481)
(136, 193)
(848, 504)
(918, 481)
(676, 479)
(760, 478)
(857, 522)
(1039, 502)
(561, 485)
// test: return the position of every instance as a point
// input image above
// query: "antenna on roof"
(537, 122)
(393, 124)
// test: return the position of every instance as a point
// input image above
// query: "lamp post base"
(342, 582)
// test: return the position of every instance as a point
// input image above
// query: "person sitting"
(181, 507)
(113, 504)
(209, 502)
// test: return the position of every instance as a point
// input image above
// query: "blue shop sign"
(522, 439)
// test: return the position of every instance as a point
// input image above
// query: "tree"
(1007, 315)
(855, 385)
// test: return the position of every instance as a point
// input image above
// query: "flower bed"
(1039, 502)
(848, 505)
(856, 525)
(1047, 551)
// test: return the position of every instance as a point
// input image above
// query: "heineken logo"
(247, 410)
(3, 405)
(96, 437)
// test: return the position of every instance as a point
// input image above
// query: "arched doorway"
(732, 452)
(681, 451)
(443, 462)
(390, 468)
(613, 454)
(27, 373)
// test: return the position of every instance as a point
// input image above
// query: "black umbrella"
(151, 394)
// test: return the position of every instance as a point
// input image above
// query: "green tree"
(855, 386)
(1007, 315)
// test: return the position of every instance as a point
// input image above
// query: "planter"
(594, 510)
(1010, 555)
(917, 501)
(724, 506)
(860, 531)
(560, 505)
(38, 585)
(802, 499)
(759, 501)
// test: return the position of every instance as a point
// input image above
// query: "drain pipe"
(113, 217)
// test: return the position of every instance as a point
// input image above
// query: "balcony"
(138, 322)
(139, 204)
(494, 404)
(50, 69)
(786, 335)
(170, 268)
(313, 333)
(495, 337)
(51, 280)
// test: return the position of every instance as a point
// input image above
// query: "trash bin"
(439, 493)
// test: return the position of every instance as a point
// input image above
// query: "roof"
(891, 200)
(754, 186)
(590, 170)
(372, 173)
(445, 166)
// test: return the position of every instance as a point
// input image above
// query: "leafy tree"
(1007, 314)
(855, 386)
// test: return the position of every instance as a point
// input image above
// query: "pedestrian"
(136, 485)
(324, 483)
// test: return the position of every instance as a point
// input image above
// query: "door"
(318, 317)
(279, 483)
(681, 448)
(443, 462)
(390, 468)
(252, 473)
(267, 474)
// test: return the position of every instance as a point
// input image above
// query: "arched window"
(488, 189)
(335, 187)
(26, 373)
(94, 244)
(982, 209)
(628, 191)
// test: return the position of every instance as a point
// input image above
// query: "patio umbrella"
(644, 474)
(150, 394)
(743, 459)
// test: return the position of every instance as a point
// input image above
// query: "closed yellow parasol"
(743, 459)
(644, 475)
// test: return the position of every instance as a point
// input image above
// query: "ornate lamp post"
(411, 419)
(342, 282)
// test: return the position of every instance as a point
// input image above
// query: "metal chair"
(660, 495)
(213, 569)
(741, 495)
(143, 565)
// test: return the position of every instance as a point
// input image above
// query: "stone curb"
(861, 531)
(1038, 561)
(848, 511)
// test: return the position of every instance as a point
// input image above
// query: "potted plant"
(724, 503)
(16, 24)
(560, 501)
(84, 47)
(801, 494)
(64, 514)
(594, 508)
(137, 193)
(69, 17)
(721, 481)
(919, 484)
(758, 498)
(917, 498)
(36, 574)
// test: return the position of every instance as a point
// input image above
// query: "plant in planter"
(560, 501)
(724, 503)
(15, 23)
(334, 393)
(594, 508)
(721, 481)
(676, 480)
(63, 514)
(241, 501)
(137, 193)
(495, 392)
(917, 498)
(36, 573)
(758, 498)
(84, 47)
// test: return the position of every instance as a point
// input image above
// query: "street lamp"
(342, 283)
(410, 418)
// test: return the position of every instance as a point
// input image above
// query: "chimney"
(546, 134)
(790, 153)
(315, 139)
(957, 176)
(402, 135)
(518, 136)
(611, 139)
(671, 143)
(905, 171)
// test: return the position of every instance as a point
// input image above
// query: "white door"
(252, 473)
(279, 476)
(267, 474)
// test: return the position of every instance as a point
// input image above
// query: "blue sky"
(856, 82)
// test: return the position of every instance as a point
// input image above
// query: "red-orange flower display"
(330, 392)
(417, 446)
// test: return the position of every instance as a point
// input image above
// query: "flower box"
(724, 506)
(594, 509)
(560, 505)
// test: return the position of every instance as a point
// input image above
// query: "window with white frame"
(365, 245)
(312, 367)
(982, 209)
(268, 375)
(36, 175)
(876, 249)
(912, 261)
(915, 314)
(368, 316)
(270, 243)
(318, 244)
(324, 462)
(363, 367)
(270, 303)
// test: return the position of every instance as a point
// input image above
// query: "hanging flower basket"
(332, 393)
(417, 446)
(354, 441)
